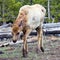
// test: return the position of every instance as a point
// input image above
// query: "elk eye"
(17, 33)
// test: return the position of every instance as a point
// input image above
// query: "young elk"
(29, 18)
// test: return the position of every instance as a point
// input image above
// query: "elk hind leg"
(40, 38)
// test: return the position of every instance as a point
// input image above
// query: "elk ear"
(21, 23)
(20, 29)
(12, 25)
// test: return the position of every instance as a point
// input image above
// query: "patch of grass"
(9, 53)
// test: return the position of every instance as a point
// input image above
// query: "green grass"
(51, 49)
(17, 52)
(9, 53)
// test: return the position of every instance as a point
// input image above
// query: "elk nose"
(14, 41)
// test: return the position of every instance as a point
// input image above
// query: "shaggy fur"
(30, 17)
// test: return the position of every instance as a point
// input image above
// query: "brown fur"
(15, 28)
(20, 24)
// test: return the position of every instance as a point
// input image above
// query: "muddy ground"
(51, 46)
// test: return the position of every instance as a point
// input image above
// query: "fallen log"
(18, 42)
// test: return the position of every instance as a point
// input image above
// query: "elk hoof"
(42, 49)
(24, 53)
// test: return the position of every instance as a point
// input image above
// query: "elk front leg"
(40, 38)
(25, 46)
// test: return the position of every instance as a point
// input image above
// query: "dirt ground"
(51, 46)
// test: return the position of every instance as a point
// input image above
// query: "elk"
(30, 17)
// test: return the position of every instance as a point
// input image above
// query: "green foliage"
(11, 8)
(43, 2)
(25, 2)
